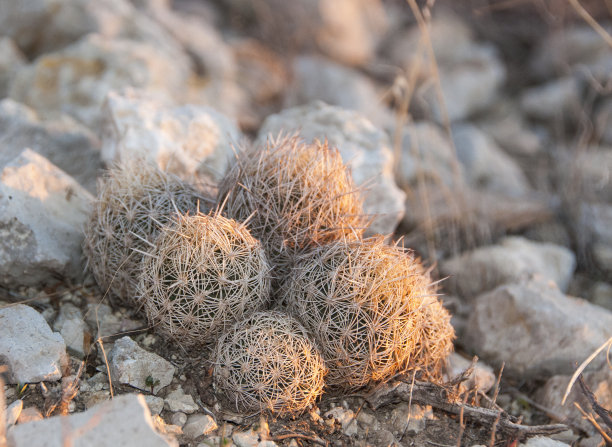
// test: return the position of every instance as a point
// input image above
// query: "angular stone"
(13, 411)
(11, 60)
(536, 330)
(555, 99)
(514, 258)
(551, 396)
(482, 378)
(178, 400)
(32, 352)
(363, 147)
(42, 213)
(131, 364)
(198, 425)
(485, 165)
(122, 422)
(77, 79)
(319, 79)
(541, 441)
(155, 404)
(426, 154)
(29, 414)
(346, 418)
(183, 140)
(63, 141)
(71, 326)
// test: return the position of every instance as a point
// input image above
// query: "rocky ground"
(483, 137)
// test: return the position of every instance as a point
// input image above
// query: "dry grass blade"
(582, 367)
(298, 196)
(205, 273)
(134, 200)
(372, 310)
(267, 362)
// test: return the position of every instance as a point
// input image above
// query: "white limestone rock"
(181, 139)
(32, 352)
(76, 79)
(481, 378)
(70, 324)
(124, 421)
(470, 73)
(318, 79)
(363, 147)
(131, 364)
(551, 396)
(536, 330)
(485, 165)
(11, 59)
(178, 400)
(42, 213)
(556, 99)
(199, 424)
(62, 140)
(426, 153)
(515, 258)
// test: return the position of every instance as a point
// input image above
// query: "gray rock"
(42, 213)
(64, 142)
(598, 232)
(470, 73)
(184, 140)
(541, 441)
(179, 418)
(514, 258)
(482, 378)
(198, 425)
(346, 30)
(42, 26)
(77, 79)
(71, 326)
(551, 396)
(131, 364)
(11, 60)
(177, 400)
(316, 78)
(346, 418)
(426, 153)
(155, 404)
(485, 165)
(251, 439)
(32, 352)
(537, 330)
(592, 170)
(603, 122)
(409, 418)
(601, 294)
(105, 322)
(508, 128)
(553, 100)
(574, 46)
(12, 412)
(29, 414)
(122, 422)
(363, 147)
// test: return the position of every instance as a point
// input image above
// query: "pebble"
(177, 400)
(199, 424)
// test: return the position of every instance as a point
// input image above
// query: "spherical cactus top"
(205, 273)
(134, 200)
(362, 301)
(295, 196)
(267, 363)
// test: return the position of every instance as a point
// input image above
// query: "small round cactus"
(294, 195)
(134, 200)
(205, 273)
(362, 301)
(268, 363)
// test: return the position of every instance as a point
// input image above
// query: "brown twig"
(601, 411)
(589, 417)
(437, 396)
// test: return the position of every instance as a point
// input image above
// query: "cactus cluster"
(278, 282)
